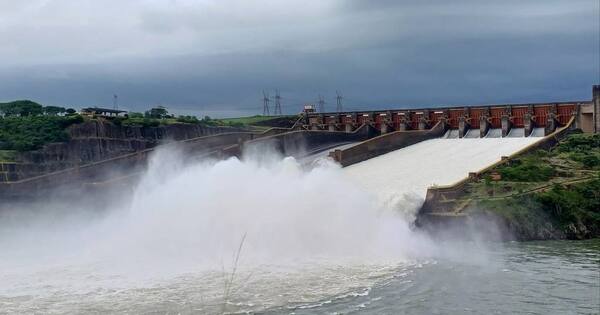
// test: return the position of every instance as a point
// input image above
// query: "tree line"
(24, 108)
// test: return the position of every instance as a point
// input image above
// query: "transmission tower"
(115, 102)
(338, 99)
(266, 101)
(277, 103)
(321, 104)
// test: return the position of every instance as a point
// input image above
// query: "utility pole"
(321, 104)
(266, 101)
(115, 102)
(277, 103)
(338, 100)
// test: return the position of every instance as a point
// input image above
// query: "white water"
(304, 235)
(400, 178)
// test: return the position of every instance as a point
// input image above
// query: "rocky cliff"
(97, 140)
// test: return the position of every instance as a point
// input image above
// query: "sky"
(215, 57)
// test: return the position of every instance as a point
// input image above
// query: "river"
(549, 277)
(268, 236)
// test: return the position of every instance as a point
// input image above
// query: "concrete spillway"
(407, 173)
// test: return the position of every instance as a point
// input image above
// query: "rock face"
(97, 140)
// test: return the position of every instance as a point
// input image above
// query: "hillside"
(546, 194)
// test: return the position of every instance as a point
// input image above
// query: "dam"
(303, 220)
(373, 133)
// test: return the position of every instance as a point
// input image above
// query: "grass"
(250, 121)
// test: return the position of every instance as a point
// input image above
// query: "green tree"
(159, 112)
(54, 110)
(25, 133)
(21, 108)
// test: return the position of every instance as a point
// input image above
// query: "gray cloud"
(208, 56)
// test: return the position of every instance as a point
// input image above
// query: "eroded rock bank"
(100, 139)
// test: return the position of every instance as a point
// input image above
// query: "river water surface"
(550, 277)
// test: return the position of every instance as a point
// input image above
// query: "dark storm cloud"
(379, 53)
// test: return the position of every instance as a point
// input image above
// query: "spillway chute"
(451, 134)
(538, 132)
(516, 133)
(494, 133)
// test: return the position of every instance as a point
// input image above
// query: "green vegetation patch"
(576, 208)
(529, 169)
(24, 133)
(251, 120)
(257, 121)
(547, 190)
(524, 216)
(572, 212)
(576, 151)
(8, 155)
(155, 117)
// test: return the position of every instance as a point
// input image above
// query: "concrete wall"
(384, 144)
(586, 119)
(297, 143)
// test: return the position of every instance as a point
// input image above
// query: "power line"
(266, 101)
(321, 104)
(277, 103)
(338, 99)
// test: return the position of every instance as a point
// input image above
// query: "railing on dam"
(528, 116)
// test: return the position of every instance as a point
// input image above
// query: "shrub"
(143, 122)
(188, 119)
(526, 170)
(578, 204)
(579, 143)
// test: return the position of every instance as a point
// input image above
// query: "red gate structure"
(496, 116)
(540, 114)
(435, 117)
(518, 115)
(565, 111)
(453, 117)
(363, 118)
(412, 117)
(475, 115)
(379, 120)
(396, 120)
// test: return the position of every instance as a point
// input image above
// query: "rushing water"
(267, 236)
